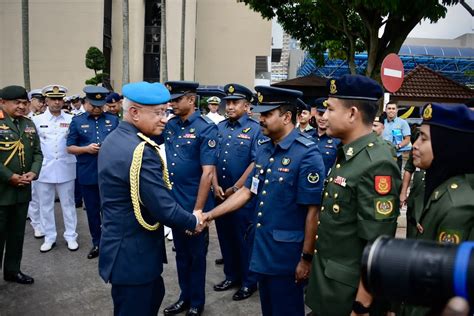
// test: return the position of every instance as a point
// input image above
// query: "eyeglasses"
(159, 113)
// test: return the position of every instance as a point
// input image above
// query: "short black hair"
(289, 108)
(368, 109)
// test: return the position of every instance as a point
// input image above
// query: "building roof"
(311, 85)
(426, 85)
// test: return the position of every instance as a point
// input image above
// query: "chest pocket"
(187, 148)
(339, 202)
(7, 136)
(280, 184)
(241, 147)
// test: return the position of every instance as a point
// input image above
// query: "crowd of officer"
(295, 198)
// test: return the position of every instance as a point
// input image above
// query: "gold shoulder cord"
(14, 147)
(135, 180)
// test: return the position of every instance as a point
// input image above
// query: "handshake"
(203, 221)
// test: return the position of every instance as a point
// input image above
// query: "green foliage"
(95, 60)
(346, 27)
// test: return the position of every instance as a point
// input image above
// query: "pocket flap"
(342, 273)
(288, 235)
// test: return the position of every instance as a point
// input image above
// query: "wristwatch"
(358, 308)
(235, 189)
(307, 257)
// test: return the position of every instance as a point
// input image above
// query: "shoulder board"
(223, 121)
(77, 115)
(208, 120)
(305, 141)
(255, 120)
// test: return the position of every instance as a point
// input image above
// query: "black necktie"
(17, 123)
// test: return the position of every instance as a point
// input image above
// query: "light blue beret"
(146, 93)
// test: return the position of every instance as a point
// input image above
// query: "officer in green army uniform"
(360, 200)
(447, 209)
(20, 163)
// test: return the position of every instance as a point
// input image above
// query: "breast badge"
(449, 236)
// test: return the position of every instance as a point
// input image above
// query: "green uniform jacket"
(21, 146)
(415, 199)
(448, 217)
(360, 202)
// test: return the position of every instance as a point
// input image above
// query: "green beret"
(14, 93)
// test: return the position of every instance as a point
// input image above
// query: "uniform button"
(327, 152)
(182, 128)
(227, 144)
(266, 181)
(177, 146)
(223, 177)
(322, 208)
(454, 186)
(259, 214)
(179, 136)
(264, 192)
(172, 174)
(232, 129)
(316, 238)
(172, 183)
(225, 160)
(167, 138)
(258, 225)
(261, 203)
(326, 194)
(338, 166)
(422, 179)
(230, 136)
(315, 250)
(269, 170)
(261, 171)
(223, 168)
(319, 222)
(225, 152)
(174, 155)
(370, 144)
(173, 164)
(280, 179)
(271, 159)
(336, 195)
(330, 179)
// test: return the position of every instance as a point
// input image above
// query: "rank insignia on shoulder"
(313, 177)
(211, 143)
(383, 207)
(246, 130)
(449, 236)
(383, 184)
(4, 127)
(350, 151)
(285, 161)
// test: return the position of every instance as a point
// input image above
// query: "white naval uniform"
(78, 111)
(215, 117)
(33, 207)
(57, 174)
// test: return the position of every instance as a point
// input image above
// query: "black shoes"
(19, 278)
(219, 261)
(94, 253)
(225, 285)
(194, 311)
(243, 293)
(176, 308)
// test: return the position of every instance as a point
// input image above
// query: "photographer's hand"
(457, 306)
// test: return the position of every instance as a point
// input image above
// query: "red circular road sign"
(392, 72)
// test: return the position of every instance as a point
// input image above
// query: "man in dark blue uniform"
(191, 151)
(327, 144)
(238, 139)
(86, 134)
(136, 201)
(287, 181)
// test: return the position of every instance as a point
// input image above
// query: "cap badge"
(231, 89)
(55, 89)
(98, 96)
(325, 103)
(428, 113)
(168, 87)
(260, 97)
(332, 87)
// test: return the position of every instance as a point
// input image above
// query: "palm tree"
(125, 57)
(26, 43)
(164, 53)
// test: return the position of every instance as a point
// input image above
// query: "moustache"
(263, 124)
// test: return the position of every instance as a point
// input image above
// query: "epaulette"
(263, 141)
(77, 115)
(305, 141)
(255, 120)
(223, 121)
(208, 120)
(148, 140)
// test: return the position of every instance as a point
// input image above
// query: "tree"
(25, 25)
(95, 60)
(125, 56)
(345, 27)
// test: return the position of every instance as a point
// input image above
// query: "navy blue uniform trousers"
(91, 197)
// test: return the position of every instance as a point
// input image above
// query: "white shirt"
(215, 117)
(78, 111)
(58, 165)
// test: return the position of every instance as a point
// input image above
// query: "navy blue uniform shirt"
(328, 148)
(83, 131)
(190, 144)
(290, 177)
(237, 148)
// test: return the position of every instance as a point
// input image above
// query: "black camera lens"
(418, 272)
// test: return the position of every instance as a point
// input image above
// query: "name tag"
(191, 136)
(243, 136)
(254, 186)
